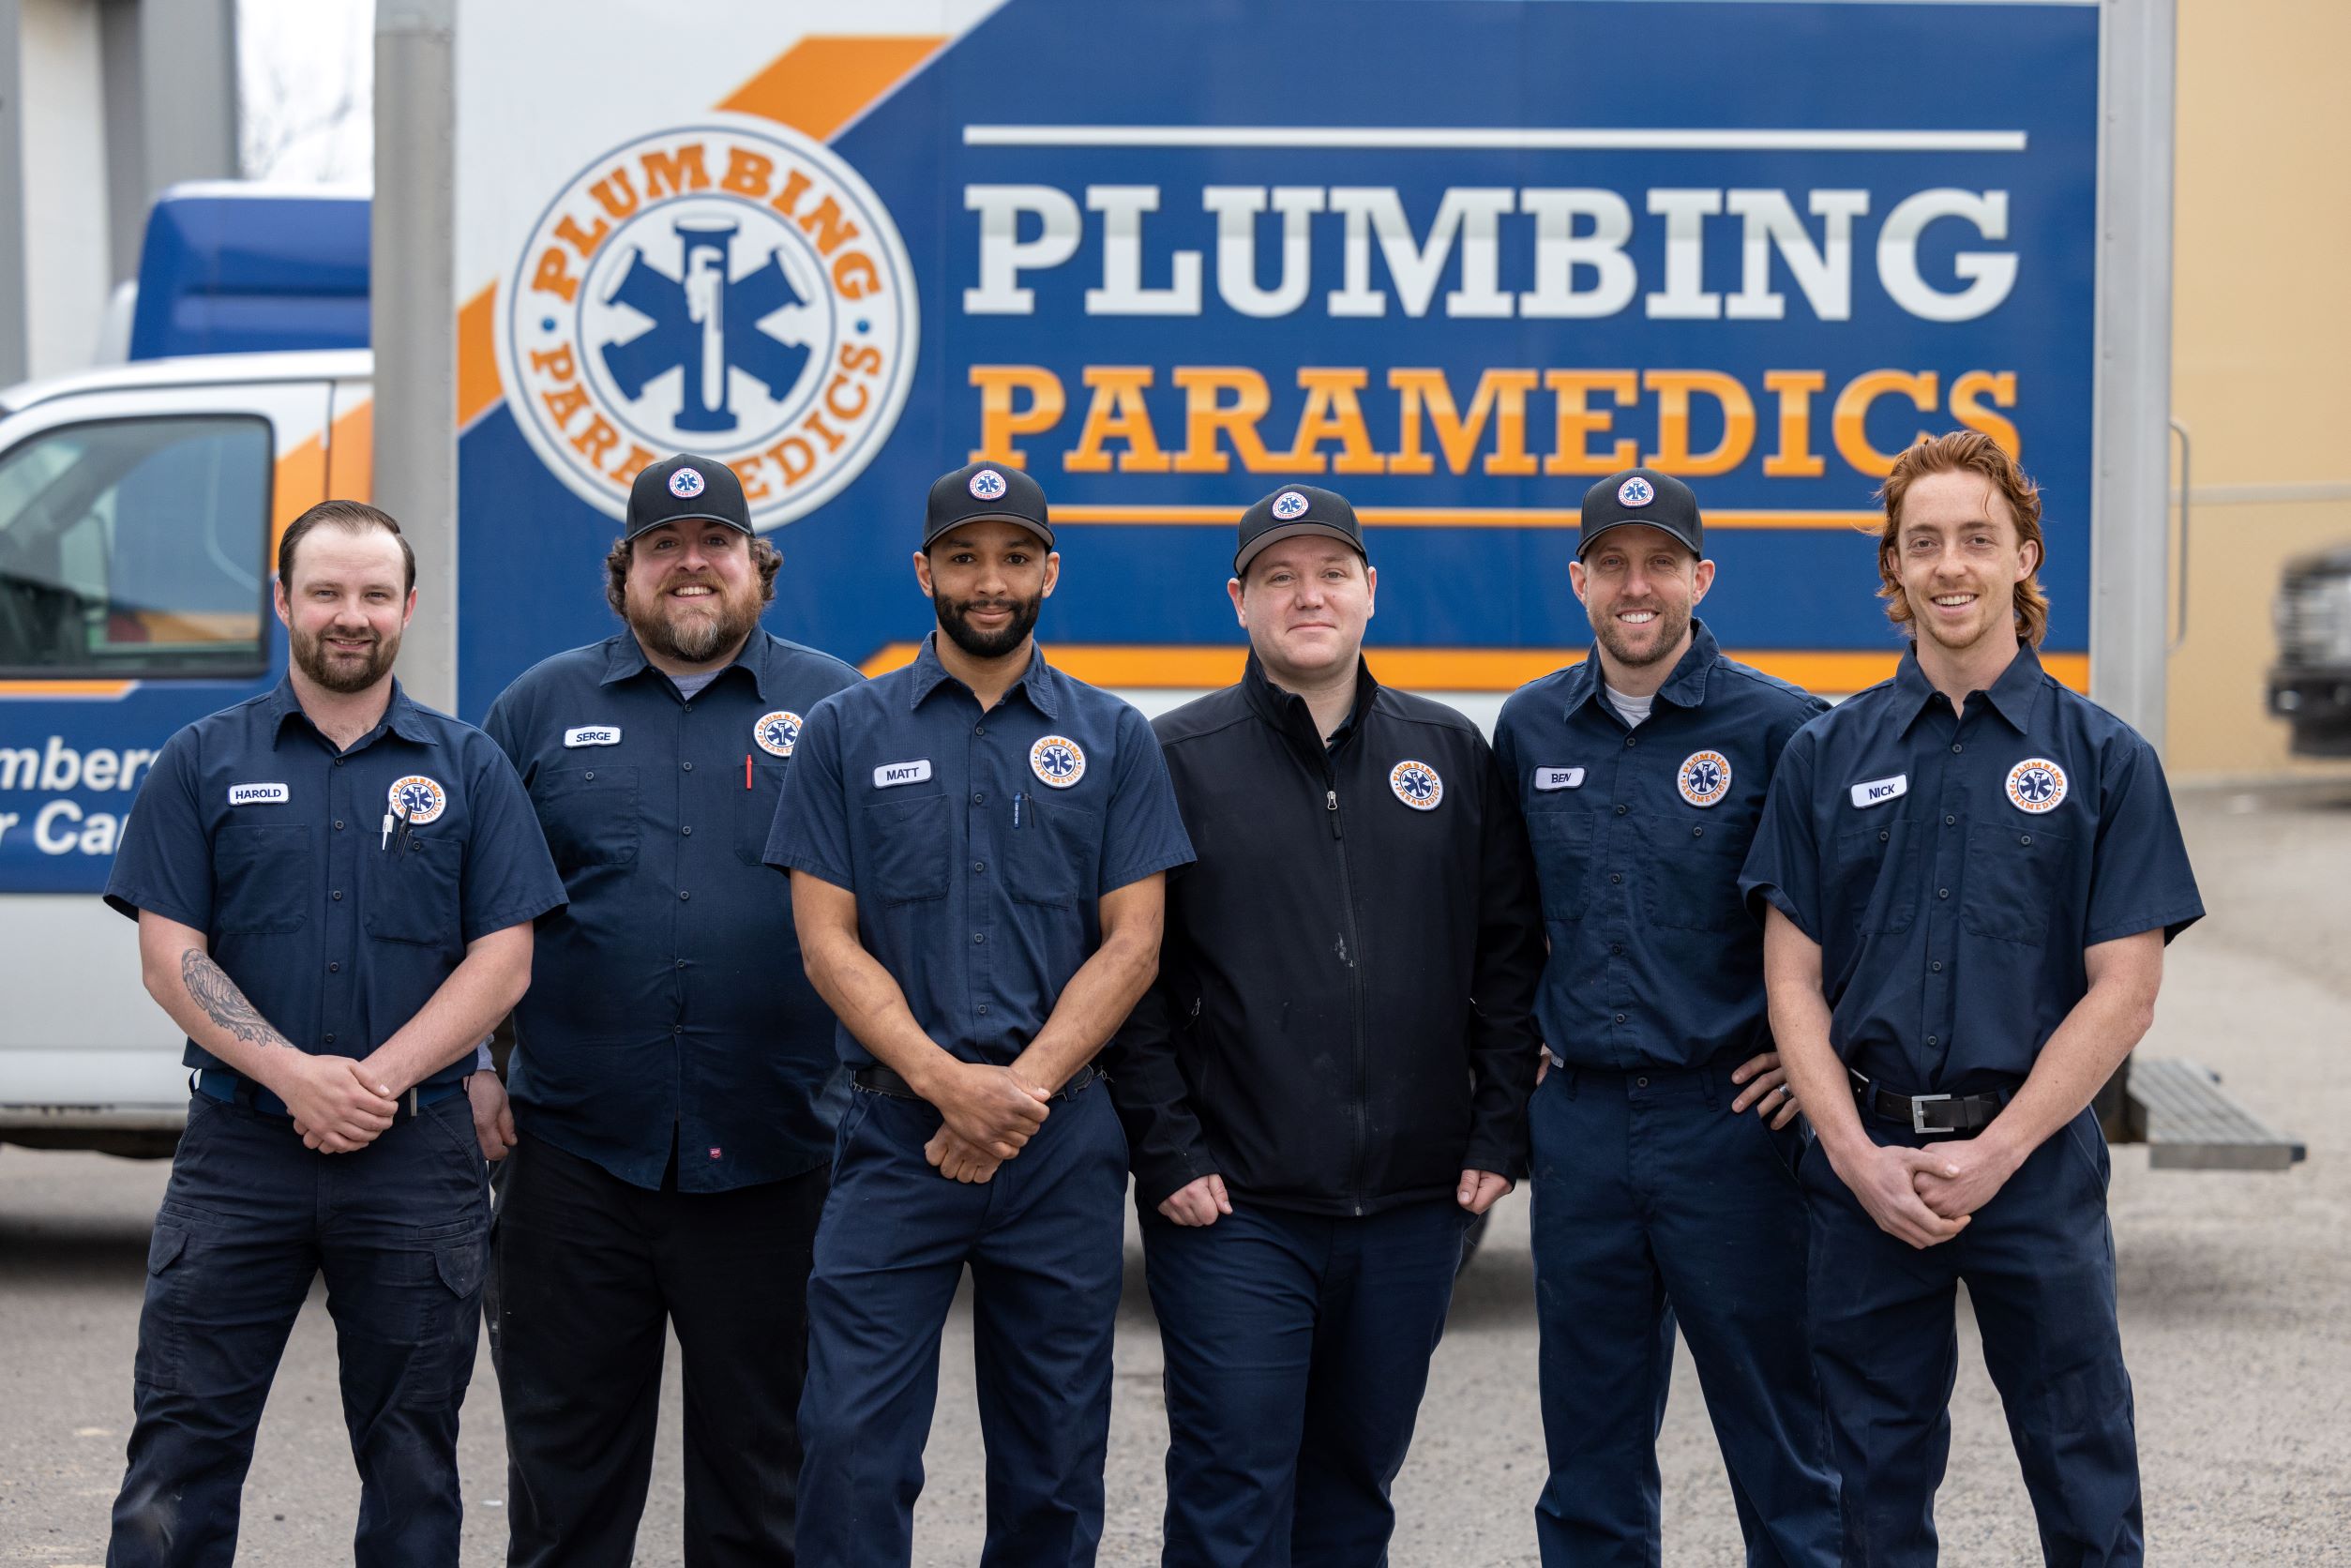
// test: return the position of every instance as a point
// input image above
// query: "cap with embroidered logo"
(986, 493)
(1645, 496)
(1293, 510)
(687, 488)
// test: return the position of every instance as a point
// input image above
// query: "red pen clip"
(746, 770)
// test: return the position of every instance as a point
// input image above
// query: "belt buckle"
(1918, 1114)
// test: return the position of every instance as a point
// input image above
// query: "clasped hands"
(988, 1114)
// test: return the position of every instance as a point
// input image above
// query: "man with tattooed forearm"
(334, 889)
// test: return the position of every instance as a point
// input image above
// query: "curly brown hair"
(1966, 452)
(764, 556)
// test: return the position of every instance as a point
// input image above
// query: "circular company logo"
(778, 732)
(730, 288)
(1288, 505)
(2036, 785)
(989, 485)
(686, 484)
(1417, 785)
(418, 799)
(1056, 760)
(1637, 491)
(1704, 777)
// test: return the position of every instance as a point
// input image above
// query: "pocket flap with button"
(164, 1247)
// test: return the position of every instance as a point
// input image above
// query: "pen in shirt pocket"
(1019, 802)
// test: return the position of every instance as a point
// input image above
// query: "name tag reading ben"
(901, 772)
(1558, 778)
(1878, 792)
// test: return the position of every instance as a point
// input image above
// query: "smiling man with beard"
(977, 846)
(1642, 772)
(670, 1162)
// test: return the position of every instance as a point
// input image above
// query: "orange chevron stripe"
(819, 84)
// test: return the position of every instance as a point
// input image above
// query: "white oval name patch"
(1878, 792)
(901, 772)
(1558, 778)
(593, 734)
(259, 794)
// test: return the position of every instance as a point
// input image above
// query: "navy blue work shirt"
(254, 829)
(1953, 867)
(1639, 835)
(977, 843)
(667, 1006)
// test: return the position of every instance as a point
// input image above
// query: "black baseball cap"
(687, 488)
(986, 493)
(1646, 496)
(1293, 510)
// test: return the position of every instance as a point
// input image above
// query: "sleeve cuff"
(520, 914)
(131, 903)
(2171, 922)
(1113, 881)
(1767, 892)
(813, 868)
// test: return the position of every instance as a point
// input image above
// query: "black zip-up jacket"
(1344, 1017)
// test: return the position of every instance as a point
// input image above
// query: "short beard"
(692, 638)
(953, 620)
(310, 656)
(1672, 625)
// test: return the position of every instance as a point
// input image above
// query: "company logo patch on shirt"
(2036, 785)
(593, 734)
(778, 732)
(1057, 761)
(1878, 792)
(259, 794)
(419, 799)
(1558, 778)
(889, 774)
(1704, 777)
(1417, 785)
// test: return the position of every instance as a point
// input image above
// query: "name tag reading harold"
(1558, 778)
(1878, 792)
(901, 772)
(259, 794)
(593, 734)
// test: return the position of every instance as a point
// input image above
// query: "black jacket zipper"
(1354, 986)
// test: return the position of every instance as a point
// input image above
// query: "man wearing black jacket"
(1330, 1075)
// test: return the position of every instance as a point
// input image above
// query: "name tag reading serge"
(1878, 792)
(259, 794)
(901, 772)
(593, 734)
(1558, 778)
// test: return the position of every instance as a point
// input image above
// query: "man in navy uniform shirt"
(1970, 874)
(334, 889)
(1330, 1076)
(671, 1161)
(1642, 772)
(978, 847)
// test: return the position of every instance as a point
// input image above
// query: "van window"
(136, 546)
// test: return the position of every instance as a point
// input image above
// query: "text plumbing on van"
(1575, 248)
(60, 824)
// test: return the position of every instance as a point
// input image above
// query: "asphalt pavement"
(2236, 1293)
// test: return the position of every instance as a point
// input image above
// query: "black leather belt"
(1964, 1115)
(882, 1080)
(237, 1090)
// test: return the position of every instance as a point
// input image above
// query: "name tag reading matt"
(1558, 778)
(259, 794)
(593, 734)
(901, 772)
(1878, 792)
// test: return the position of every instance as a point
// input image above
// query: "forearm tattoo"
(224, 1004)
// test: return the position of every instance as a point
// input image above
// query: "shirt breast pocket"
(910, 842)
(2012, 886)
(1562, 847)
(755, 813)
(589, 815)
(411, 891)
(1692, 883)
(1876, 891)
(1053, 857)
(264, 879)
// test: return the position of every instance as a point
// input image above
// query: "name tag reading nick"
(1558, 778)
(593, 734)
(259, 794)
(901, 772)
(1878, 792)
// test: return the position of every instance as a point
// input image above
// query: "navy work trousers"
(400, 1229)
(588, 1275)
(2039, 1264)
(1044, 1241)
(1297, 1348)
(1656, 1203)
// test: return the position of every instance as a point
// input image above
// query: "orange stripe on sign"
(351, 455)
(477, 382)
(1137, 665)
(819, 84)
(300, 484)
(109, 689)
(1459, 516)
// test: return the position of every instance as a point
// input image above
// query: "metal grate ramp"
(2189, 1122)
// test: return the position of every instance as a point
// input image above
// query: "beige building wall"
(2261, 350)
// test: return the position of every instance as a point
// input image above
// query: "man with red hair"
(1967, 875)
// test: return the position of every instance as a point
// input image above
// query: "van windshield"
(135, 548)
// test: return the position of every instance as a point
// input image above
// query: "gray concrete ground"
(2235, 1291)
